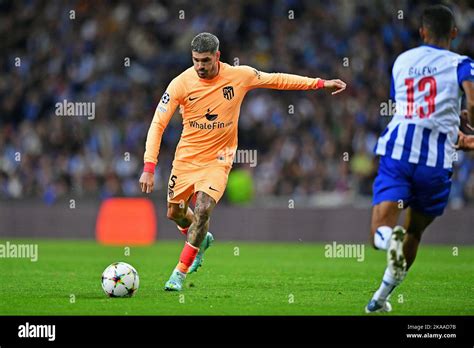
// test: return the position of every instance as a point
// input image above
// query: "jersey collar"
(434, 46)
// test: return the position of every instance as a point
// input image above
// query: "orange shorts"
(187, 179)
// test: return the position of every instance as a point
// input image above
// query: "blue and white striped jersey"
(427, 89)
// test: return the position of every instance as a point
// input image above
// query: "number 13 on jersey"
(426, 86)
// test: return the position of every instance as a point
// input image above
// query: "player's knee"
(203, 209)
(202, 212)
(170, 214)
(174, 214)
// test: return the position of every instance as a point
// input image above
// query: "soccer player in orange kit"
(210, 94)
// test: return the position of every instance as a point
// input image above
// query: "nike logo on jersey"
(210, 188)
(191, 98)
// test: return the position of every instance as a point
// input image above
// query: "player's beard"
(204, 74)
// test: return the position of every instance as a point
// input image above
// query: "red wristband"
(149, 167)
(320, 83)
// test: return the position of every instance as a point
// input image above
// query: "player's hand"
(336, 85)
(465, 142)
(147, 181)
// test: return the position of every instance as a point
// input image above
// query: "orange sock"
(187, 257)
(183, 230)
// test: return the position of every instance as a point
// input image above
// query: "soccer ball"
(120, 280)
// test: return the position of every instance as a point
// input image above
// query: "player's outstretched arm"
(163, 113)
(259, 79)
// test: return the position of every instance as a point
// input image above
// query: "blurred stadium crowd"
(325, 145)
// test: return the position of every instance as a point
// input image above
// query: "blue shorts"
(425, 189)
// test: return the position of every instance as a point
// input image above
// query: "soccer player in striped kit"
(418, 146)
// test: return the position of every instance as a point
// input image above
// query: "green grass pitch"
(237, 278)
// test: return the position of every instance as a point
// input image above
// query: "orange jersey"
(210, 111)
